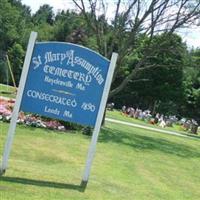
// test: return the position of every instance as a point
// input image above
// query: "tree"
(9, 23)
(160, 85)
(70, 27)
(137, 17)
(62, 25)
(24, 9)
(191, 102)
(16, 56)
(45, 14)
(13, 28)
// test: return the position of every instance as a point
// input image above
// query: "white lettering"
(67, 114)
(54, 111)
(71, 60)
(51, 98)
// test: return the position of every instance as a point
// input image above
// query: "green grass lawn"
(130, 164)
(7, 91)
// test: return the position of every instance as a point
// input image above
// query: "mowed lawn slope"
(130, 164)
(7, 91)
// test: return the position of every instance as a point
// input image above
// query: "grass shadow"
(150, 143)
(25, 181)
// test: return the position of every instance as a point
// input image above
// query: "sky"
(190, 36)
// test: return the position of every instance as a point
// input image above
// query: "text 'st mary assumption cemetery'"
(65, 81)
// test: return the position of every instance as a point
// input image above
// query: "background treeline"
(154, 71)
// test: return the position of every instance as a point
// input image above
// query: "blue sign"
(65, 81)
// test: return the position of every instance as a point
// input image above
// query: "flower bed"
(6, 107)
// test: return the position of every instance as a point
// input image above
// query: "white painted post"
(12, 127)
(92, 148)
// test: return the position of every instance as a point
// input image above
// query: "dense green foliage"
(191, 85)
(167, 79)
